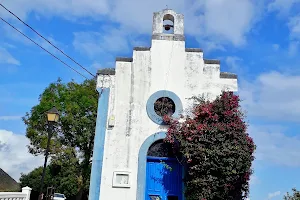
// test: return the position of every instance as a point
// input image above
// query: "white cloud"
(274, 194)
(293, 48)
(210, 45)
(294, 43)
(8, 45)
(282, 6)
(233, 63)
(13, 35)
(272, 95)
(6, 118)
(276, 47)
(48, 46)
(220, 19)
(14, 155)
(7, 58)
(230, 20)
(137, 14)
(254, 180)
(88, 43)
(274, 147)
(294, 26)
(215, 21)
(94, 43)
(68, 9)
(97, 65)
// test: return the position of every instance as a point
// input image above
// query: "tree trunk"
(79, 194)
(85, 195)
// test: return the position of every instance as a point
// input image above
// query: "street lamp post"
(52, 117)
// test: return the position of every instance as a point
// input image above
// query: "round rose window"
(163, 103)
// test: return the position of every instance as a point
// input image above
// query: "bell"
(168, 27)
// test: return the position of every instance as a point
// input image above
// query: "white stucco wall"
(167, 65)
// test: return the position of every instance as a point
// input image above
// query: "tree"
(33, 178)
(73, 135)
(60, 176)
(216, 149)
(295, 195)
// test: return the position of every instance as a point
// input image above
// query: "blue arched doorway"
(163, 173)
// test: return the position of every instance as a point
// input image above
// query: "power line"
(46, 39)
(43, 48)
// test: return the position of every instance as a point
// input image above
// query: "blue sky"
(257, 39)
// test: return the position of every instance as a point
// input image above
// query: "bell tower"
(167, 25)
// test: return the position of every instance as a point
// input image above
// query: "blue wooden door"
(163, 179)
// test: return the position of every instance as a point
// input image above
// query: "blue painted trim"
(152, 99)
(95, 180)
(142, 161)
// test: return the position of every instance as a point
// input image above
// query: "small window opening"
(164, 106)
(168, 24)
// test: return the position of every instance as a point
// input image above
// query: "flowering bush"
(216, 148)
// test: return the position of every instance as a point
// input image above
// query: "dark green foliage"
(295, 195)
(217, 149)
(33, 179)
(73, 136)
(61, 177)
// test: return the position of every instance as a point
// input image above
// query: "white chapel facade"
(127, 123)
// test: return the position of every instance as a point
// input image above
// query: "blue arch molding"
(142, 161)
(95, 180)
(152, 99)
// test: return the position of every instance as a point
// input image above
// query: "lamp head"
(53, 115)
